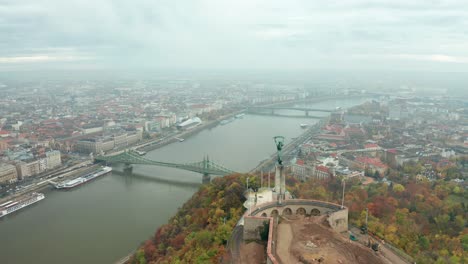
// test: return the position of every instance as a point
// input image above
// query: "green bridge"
(129, 157)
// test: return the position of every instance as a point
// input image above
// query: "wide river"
(104, 220)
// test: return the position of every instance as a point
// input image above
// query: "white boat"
(15, 205)
(304, 125)
(226, 121)
(240, 115)
(190, 123)
(82, 179)
(141, 153)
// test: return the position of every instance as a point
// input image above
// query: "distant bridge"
(129, 157)
(270, 110)
(291, 108)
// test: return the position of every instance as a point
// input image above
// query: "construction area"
(304, 239)
(310, 240)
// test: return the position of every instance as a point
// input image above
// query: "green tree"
(223, 233)
(376, 175)
(265, 230)
(140, 256)
(424, 242)
(398, 188)
(204, 238)
(464, 240)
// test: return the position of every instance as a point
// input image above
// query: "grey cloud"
(234, 34)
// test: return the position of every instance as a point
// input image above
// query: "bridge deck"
(130, 157)
(290, 108)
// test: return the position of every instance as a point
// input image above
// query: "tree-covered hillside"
(428, 220)
(198, 233)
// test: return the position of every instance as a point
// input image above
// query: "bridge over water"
(270, 110)
(129, 157)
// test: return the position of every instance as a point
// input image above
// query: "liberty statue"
(279, 141)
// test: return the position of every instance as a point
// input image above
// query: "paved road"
(235, 243)
(383, 250)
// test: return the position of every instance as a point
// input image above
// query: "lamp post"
(342, 199)
(367, 229)
(261, 179)
(248, 195)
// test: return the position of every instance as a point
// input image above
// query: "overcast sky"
(234, 34)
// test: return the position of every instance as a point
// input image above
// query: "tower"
(280, 179)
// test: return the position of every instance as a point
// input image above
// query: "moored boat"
(82, 179)
(226, 121)
(141, 153)
(17, 204)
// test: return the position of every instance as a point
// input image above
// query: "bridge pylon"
(206, 178)
(128, 167)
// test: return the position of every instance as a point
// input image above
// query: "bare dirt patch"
(314, 242)
(252, 253)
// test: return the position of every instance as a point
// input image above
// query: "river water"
(104, 220)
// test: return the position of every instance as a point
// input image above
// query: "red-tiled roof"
(199, 106)
(330, 136)
(371, 161)
(393, 151)
(335, 128)
(371, 145)
(322, 168)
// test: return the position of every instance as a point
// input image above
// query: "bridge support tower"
(128, 167)
(206, 178)
(206, 166)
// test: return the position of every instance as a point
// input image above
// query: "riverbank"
(158, 143)
(63, 174)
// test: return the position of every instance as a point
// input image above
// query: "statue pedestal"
(280, 183)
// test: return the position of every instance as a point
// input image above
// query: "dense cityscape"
(96, 117)
(233, 132)
(397, 140)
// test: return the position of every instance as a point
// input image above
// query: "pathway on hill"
(284, 240)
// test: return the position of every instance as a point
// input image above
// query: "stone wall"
(339, 220)
(252, 227)
(338, 217)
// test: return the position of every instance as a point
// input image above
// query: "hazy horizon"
(358, 35)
